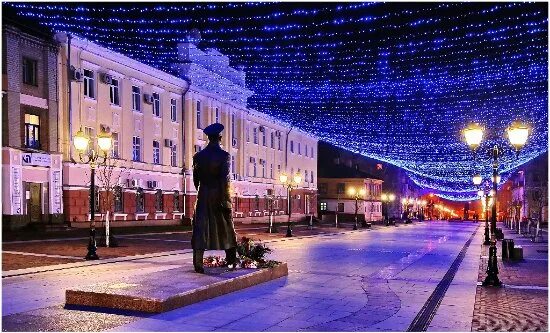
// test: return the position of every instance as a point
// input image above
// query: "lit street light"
(517, 135)
(290, 184)
(356, 194)
(93, 158)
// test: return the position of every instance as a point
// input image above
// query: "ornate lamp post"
(290, 184)
(386, 199)
(356, 194)
(485, 195)
(93, 158)
(517, 135)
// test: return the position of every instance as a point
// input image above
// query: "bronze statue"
(213, 221)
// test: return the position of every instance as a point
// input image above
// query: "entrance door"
(34, 203)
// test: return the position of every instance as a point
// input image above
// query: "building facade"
(31, 159)
(335, 197)
(156, 120)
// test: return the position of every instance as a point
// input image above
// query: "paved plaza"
(366, 280)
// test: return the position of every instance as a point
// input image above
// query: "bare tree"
(109, 175)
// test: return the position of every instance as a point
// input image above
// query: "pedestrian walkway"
(366, 280)
(522, 304)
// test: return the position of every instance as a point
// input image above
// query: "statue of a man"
(213, 222)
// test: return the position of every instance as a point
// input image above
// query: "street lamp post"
(93, 158)
(517, 135)
(356, 194)
(485, 195)
(290, 184)
(386, 199)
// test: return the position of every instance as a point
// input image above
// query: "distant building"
(334, 194)
(394, 179)
(31, 159)
(530, 190)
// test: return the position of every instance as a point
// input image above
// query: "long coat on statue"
(213, 223)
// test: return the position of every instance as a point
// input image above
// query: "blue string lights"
(393, 81)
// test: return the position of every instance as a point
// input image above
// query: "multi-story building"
(261, 147)
(31, 162)
(335, 197)
(156, 120)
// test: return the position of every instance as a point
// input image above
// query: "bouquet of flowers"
(251, 255)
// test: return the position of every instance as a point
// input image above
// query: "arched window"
(176, 201)
(118, 204)
(140, 200)
(159, 202)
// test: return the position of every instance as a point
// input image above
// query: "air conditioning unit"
(106, 78)
(152, 184)
(168, 143)
(234, 142)
(262, 129)
(148, 98)
(77, 74)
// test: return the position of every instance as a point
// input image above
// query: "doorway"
(34, 202)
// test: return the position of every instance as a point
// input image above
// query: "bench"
(97, 217)
(161, 215)
(124, 216)
(266, 213)
(257, 213)
(177, 215)
(144, 215)
(239, 214)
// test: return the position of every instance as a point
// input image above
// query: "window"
(32, 131)
(323, 188)
(254, 168)
(262, 163)
(217, 115)
(136, 98)
(96, 200)
(233, 126)
(291, 146)
(159, 201)
(91, 134)
(271, 170)
(311, 177)
(256, 202)
(174, 155)
(89, 83)
(279, 142)
(176, 201)
(299, 149)
(311, 152)
(272, 139)
(173, 110)
(233, 164)
(306, 150)
(29, 71)
(199, 125)
(341, 188)
(323, 206)
(197, 148)
(278, 169)
(264, 138)
(255, 136)
(115, 149)
(140, 200)
(114, 92)
(156, 152)
(136, 149)
(156, 104)
(305, 176)
(247, 130)
(118, 204)
(340, 207)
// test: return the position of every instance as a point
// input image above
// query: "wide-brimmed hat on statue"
(213, 129)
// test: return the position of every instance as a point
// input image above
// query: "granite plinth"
(169, 289)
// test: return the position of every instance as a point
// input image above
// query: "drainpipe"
(183, 140)
(69, 38)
